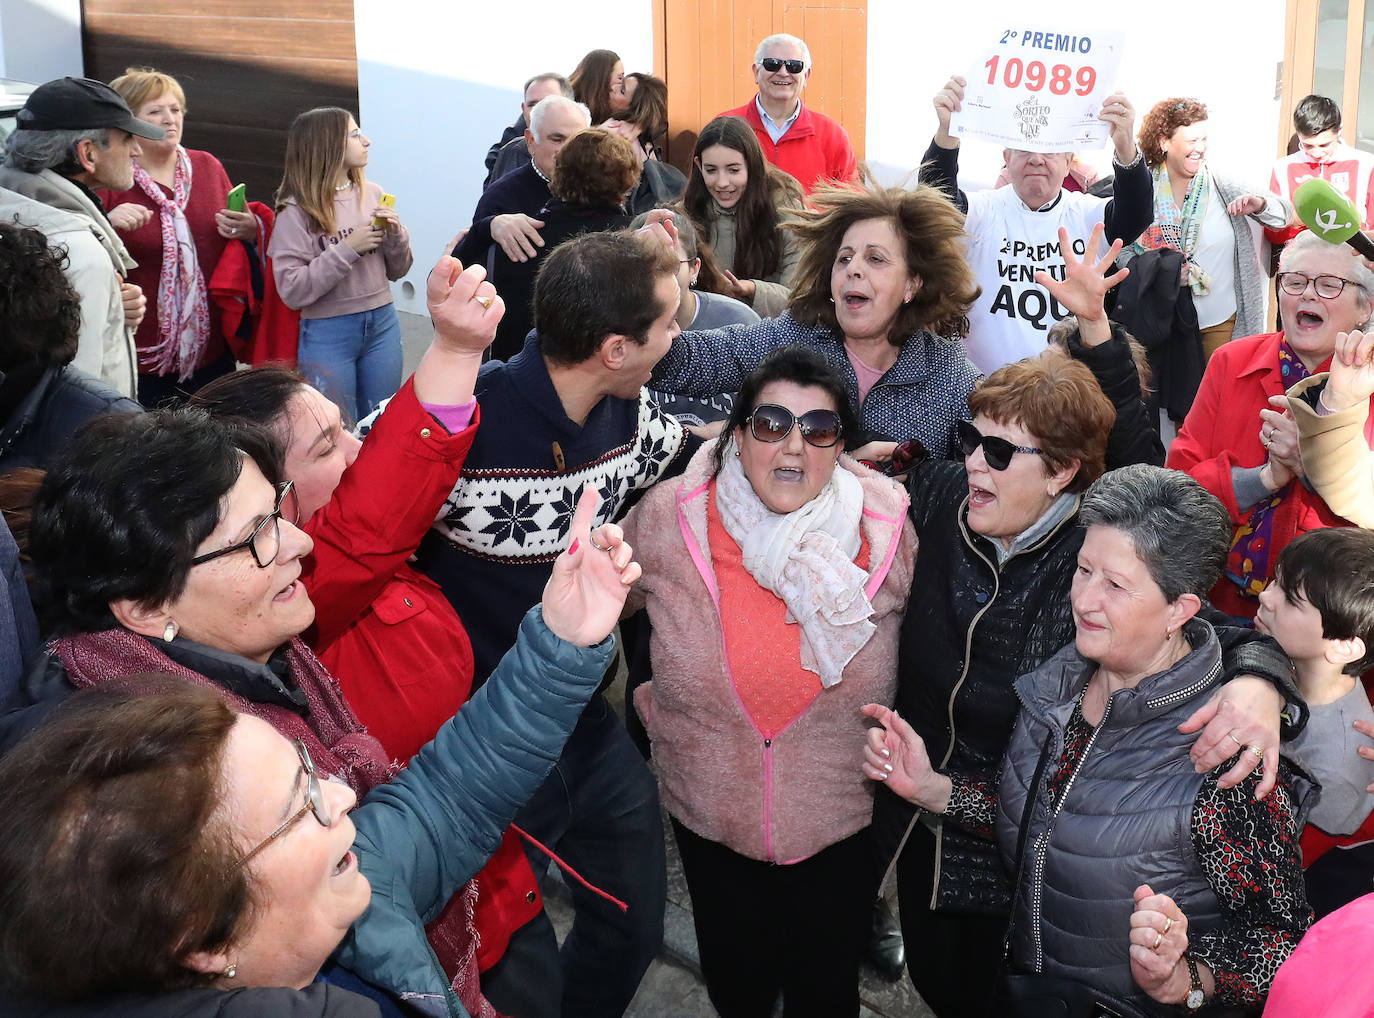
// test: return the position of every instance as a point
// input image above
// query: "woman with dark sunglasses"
(775, 576)
(1240, 439)
(999, 539)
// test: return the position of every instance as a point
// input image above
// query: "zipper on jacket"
(1179, 695)
(768, 800)
(1043, 843)
(953, 695)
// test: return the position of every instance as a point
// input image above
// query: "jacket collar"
(57, 192)
(1050, 691)
(804, 125)
(258, 683)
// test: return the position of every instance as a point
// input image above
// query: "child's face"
(1291, 619)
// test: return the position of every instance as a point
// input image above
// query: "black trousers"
(763, 928)
(953, 959)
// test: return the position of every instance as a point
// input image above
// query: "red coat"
(387, 633)
(209, 191)
(1222, 431)
(815, 148)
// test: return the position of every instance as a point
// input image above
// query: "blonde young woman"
(335, 247)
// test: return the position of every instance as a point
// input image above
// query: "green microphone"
(1330, 215)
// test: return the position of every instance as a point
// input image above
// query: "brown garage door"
(247, 67)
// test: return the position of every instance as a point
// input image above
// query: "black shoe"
(886, 952)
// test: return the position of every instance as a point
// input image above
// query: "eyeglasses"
(314, 803)
(1327, 287)
(772, 423)
(265, 540)
(772, 64)
(997, 451)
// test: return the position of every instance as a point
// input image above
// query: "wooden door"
(247, 68)
(704, 49)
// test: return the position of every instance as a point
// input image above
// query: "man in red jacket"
(807, 144)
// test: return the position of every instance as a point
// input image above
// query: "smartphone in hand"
(237, 200)
(389, 200)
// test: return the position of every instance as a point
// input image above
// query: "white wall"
(1224, 53)
(40, 39)
(439, 81)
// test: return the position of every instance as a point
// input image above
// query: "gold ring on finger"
(486, 302)
(1159, 939)
(1256, 750)
(1168, 925)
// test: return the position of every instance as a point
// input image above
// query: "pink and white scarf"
(183, 306)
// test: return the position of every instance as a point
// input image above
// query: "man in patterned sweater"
(570, 410)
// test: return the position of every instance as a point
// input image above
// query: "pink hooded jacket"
(786, 798)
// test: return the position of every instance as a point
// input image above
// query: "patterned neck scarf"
(183, 306)
(1179, 228)
(1250, 562)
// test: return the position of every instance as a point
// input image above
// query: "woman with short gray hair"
(1112, 908)
(1240, 440)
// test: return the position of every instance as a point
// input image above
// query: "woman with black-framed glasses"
(776, 575)
(161, 546)
(1240, 440)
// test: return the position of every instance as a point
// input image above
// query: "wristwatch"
(1195, 998)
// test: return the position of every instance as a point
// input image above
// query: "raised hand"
(1279, 436)
(660, 227)
(1352, 371)
(947, 101)
(465, 308)
(895, 755)
(587, 589)
(129, 216)
(740, 289)
(1118, 112)
(1085, 284)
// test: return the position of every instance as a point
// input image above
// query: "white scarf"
(806, 558)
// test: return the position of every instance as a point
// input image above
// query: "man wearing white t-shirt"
(1013, 231)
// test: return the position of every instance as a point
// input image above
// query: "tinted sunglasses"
(997, 451)
(771, 423)
(772, 64)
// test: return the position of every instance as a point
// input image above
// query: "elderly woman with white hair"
(1141, 885)
(1240, 440)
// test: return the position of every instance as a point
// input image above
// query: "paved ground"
(673, 987)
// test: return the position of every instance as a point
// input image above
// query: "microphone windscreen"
(1325, 211)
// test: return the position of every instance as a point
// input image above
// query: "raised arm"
(1332, 413)
(711, 361)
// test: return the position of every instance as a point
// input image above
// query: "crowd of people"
(305, 670)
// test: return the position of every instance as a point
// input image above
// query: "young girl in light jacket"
(335, 247)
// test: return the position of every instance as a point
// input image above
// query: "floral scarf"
(183, 306)
(1179, 228)
(1250, 562)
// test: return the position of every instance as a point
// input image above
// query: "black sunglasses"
(772, 64)
(997, 451)
(772, 423)
(265, 540)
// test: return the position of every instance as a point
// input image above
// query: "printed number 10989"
(1033, 76)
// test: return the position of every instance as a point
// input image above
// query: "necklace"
(343, 187)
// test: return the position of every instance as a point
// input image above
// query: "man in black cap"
(75, 135)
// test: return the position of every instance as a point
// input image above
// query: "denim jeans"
(599, 811)
(355, 359)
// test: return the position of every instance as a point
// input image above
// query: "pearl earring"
(231, 970)
(170, 633)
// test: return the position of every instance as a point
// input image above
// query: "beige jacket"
(1336, 453)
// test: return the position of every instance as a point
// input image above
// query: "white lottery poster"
(1040, 90)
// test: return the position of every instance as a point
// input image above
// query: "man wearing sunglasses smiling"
(809, 145)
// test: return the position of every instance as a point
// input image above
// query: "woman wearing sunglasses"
(1240, 440)
(183, 832)
(999, 541)
(776, 577)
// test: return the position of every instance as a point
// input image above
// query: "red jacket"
(260, 329)
(387, 633)
(1222, 431)
(815, 148)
